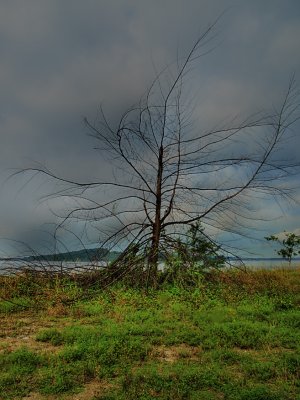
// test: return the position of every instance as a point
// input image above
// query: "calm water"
(70, 266)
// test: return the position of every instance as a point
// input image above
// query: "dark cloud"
(61, 59)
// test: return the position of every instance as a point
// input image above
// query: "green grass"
(234, 336)
(18, 370)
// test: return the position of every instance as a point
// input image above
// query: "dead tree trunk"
(156, 229)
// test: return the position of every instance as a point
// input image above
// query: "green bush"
(52, 336)
(17, 371)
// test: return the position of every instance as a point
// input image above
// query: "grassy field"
(233, 335)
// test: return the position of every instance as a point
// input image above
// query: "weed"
(60, 378)
(18, 368)
(225, 356)
(259, 393)
(261, 370)
(15, 305)
(242, 334)
(52, 336)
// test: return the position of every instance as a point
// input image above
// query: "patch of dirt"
(38, 396)
(173, 353)
(14, 343)
(14, 325)
(19, 331)
(91, 389)
(95, 388)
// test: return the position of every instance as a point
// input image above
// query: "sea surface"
(14, 266)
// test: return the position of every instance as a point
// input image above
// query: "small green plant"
(52, 336)
(202, 249)
(60, 378)
(192, 256)
(17, 370)
(290, 245)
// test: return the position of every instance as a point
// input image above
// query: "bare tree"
(170, 174)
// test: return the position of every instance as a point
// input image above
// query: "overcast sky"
(61, 59)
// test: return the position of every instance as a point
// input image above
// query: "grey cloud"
(61, 59)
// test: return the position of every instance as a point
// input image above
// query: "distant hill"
(79, 255)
